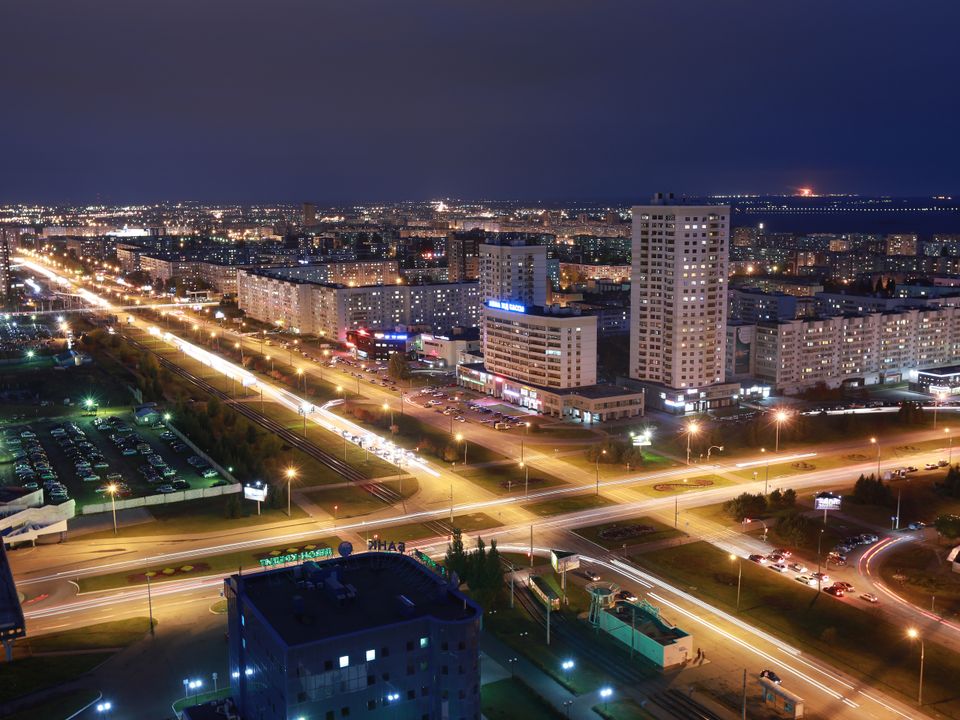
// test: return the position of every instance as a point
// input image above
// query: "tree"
(398, 368)
(948, 526)
(745, 505)
(456, 558)
(794, 527)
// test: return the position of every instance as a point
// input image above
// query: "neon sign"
(377, 545)
(297, 557)
(509, 306)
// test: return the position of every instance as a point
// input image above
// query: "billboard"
(562, 560)
(255, 491)
(827, 501)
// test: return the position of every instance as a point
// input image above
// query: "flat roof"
(317, 601)
(941, 371)
(645, 622)
(601, 390)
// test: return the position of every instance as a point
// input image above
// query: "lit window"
(424, 642)
(344, 660)
(371, 655)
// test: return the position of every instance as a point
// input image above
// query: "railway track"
(681, 706)
(387, 495)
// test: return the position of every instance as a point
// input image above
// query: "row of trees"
(871, 490)
(480, 569)
(615, 452)
(747, 505)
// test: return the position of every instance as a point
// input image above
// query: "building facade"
(678, 306)
(373, 635)
(511, 270)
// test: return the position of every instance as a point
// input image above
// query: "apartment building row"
(331, 309)
(859, 349)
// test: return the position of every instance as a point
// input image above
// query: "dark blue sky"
(331, 100)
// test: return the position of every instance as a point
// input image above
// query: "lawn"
(61, 706)
(32, 674)
(622, 710)
(102, 636)
(919, 573)
(511, 698)
(569, 504)
(212, 564)
(508, 478)
(204, 515)
(858, 640)
(639, 531)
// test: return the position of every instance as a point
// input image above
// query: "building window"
(371, 655)
(424, 642)
(344, 660)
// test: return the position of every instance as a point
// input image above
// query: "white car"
(779, 567)
(798, 567)
(806, 580)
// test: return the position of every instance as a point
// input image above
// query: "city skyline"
(245, 102)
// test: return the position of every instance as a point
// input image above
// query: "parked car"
(870, 598)
(771, 676)
(759, 559)
(806, 580)
(834, 590)
(847, 587)
(779, 567)
(591, 576)
(798, 567)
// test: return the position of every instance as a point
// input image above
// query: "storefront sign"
(297, 557)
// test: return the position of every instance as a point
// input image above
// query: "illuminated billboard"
(827, 501)
(255, 491)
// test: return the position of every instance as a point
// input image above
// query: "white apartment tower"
(512, 271)
(679, 303)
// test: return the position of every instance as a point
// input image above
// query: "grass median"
(512, 698)
(198, 567)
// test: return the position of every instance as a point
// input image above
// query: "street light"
(567, 665)
(104, 707)
(946, 431)
(604, 452)
(692, 429)
(386, 407)
(913, 634)
(460, 438)
(780, 417)
(874, 441)
(299, 376)
(938, 398)
(605, 694)
(291, 473)
(526, 478)
(766, 474)
(112, 489)
(739, 576)
(712, 448)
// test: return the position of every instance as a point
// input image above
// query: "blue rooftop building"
(372, 635)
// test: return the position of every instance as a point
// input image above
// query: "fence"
(162, 499)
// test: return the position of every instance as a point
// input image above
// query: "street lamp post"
(913, 634)
(766, 474)
(739, 577)
(526, 478)
(386, 407)
(604, 452)
(712, 448)
(946, 431)
(779, 418)
(874, 441)
(692, 429)
(605, 694)
(112, 489)
(461, 438)
(291, 473)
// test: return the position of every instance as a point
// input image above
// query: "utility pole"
(150, 607)
(531, 547)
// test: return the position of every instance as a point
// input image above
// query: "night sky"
(362, 100)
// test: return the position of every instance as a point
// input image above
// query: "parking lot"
(453, 404)
(81, 458)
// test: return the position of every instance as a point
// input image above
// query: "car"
(834, 590)
(759, 559)
(869, 538)
(847, 587)
(778, 566)
(771, 676)
(916, 526)
(626, 595)
(129, 451)
(870, 598)
(591, 576)
(798, 567)
(911, 468)
(942, 463)
(165, 489)
(181, 485)
(805, 579)
(774, 558)
(783, 552)
(930, 466)
(209, 473)
(822, 577)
